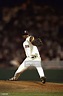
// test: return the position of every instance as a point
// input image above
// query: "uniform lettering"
(26, 46)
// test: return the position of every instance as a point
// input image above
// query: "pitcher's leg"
(40, 71)
(41, 74)
(21, 68)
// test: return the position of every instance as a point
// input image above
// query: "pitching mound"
(29, 86)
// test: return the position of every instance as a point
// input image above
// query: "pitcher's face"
(25, 36)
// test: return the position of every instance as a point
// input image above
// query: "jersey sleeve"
(28, 38)
(35, 51)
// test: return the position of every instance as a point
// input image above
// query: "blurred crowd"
(41, 21)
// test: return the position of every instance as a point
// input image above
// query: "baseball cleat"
(12, 79)
(43, 80)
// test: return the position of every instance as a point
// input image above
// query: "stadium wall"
(53, 75)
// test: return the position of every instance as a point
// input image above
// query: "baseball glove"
(37, 42)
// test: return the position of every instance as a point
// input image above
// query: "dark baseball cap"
(25, 32)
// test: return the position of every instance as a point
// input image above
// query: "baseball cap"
(25, 32)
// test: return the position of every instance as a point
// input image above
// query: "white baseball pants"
(26, 64)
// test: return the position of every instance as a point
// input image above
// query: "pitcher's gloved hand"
(37, 42)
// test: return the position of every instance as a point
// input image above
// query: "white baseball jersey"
(30, 49)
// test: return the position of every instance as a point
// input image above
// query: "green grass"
(33, 94)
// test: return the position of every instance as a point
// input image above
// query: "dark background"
(57, 4)
(42, 18)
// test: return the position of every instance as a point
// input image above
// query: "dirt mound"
(29, 86)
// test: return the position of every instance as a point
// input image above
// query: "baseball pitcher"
(32, 58)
